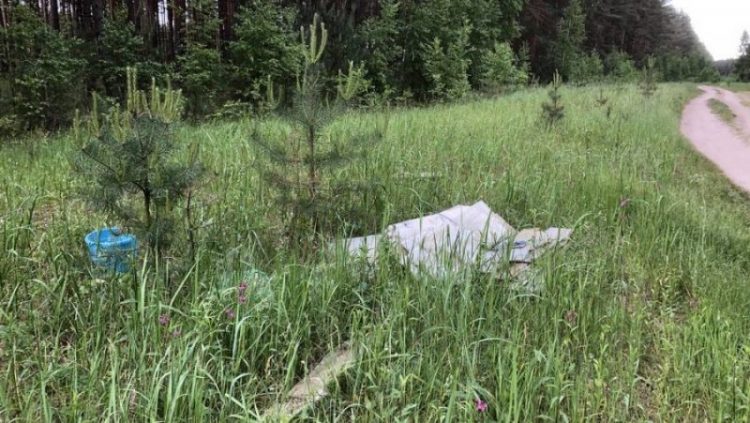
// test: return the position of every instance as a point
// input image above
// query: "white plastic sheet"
(457, 239)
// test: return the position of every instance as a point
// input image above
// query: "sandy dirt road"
(727, 146)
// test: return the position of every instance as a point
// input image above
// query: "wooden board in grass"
(313, 387)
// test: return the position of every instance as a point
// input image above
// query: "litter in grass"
(110, 249)
(313, 387)
(460, 238)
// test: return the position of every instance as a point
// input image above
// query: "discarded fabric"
(457, 239)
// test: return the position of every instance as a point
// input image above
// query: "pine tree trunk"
(179, 25)
(227, 19)
(152, 13)
(170, 30)
(3, 15)
(312, 176)
(54, 15)
(97, 7)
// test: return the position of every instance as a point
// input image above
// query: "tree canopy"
(223, 52)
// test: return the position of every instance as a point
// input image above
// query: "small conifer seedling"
(553, 110)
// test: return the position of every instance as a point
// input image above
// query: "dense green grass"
(644, 315)
(722, 110)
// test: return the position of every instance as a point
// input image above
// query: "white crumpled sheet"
(459, 238)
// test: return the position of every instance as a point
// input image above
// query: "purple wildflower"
(230, 313)
(242, 288)
(480, 405)
(176, 333)
(242, 299)
(164, 320)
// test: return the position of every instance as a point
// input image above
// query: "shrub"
(588, 68)
(201, 76)
(620, 67)
(500, 69)
(446, 67)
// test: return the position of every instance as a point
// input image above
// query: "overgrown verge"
(642, 317)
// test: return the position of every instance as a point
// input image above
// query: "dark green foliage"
(222, 52)
(202, 78)
(378, 46)
(567, 53)
(500, 68)
(264, 46)
(633, 30)
(119, 47)
(553, 111)
(695, 67)
(40, 83)
(446, 66)
(587, 69)
(620, 67)
(442, 44)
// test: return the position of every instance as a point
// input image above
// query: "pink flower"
(242, 299)
(242, 288)
(163, 320)
(230, 313)
(176, 333)
(480, 405)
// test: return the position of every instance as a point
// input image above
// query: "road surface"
(726, 145)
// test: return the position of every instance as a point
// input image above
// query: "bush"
(588, 68)
(201, 75)
(620, 67)
(500, 69)
(446, 67)
(378, 47)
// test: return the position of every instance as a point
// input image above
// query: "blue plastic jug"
(110, 248)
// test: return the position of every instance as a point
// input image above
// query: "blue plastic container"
(111, 249)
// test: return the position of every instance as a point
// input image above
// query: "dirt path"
(727, 147)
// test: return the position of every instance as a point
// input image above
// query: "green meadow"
(643, 315)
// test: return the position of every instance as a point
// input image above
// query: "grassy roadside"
(644, 315)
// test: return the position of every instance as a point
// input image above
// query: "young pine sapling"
(134, 167)
(294, 168)
(553, 111)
